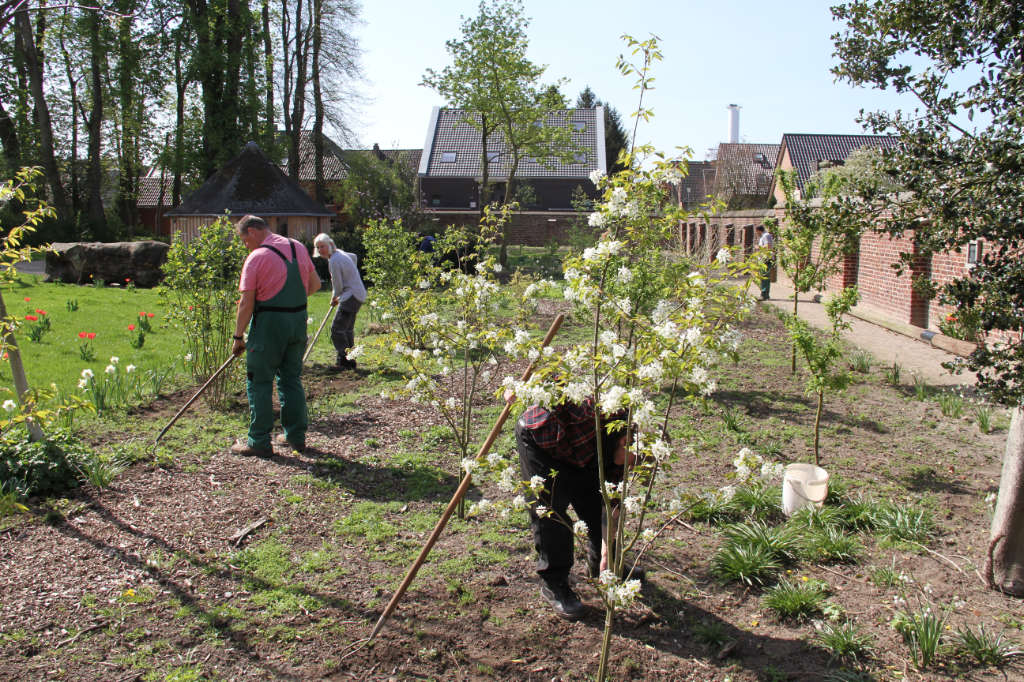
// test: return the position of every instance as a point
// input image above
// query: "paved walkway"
(914, 356)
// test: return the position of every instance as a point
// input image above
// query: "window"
(580, 157)
(448, 157)
(579, 125)
(493, 156)
(973, 253)
(435, 200)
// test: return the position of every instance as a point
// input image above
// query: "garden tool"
(316, 336)
(460, 492)
(220, 370)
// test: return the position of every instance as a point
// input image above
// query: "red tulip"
(27, 299)
(131, 327)
(82, 335)
(91, 335)
(31, 318)
(149, 314)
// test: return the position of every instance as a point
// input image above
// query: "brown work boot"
(282, 440)
(242, 447)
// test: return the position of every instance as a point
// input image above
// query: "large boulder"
(85, 262)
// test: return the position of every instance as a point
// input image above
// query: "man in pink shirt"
(276, 278)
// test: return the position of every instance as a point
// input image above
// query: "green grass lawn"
(107, 312)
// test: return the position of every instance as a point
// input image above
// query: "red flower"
(82, 335)
(91, 335)
(142, 313)
(149, 314)
(27, 299)
(31, 318)
(127, 279)
(41, 312)
(131, 327)
(190, 308)
(5, 356)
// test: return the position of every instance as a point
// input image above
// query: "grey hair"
(324, 239)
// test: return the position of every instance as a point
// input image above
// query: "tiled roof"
(454, 147)
(334, 169)
(745, 169)
(699, 182)
(410, 158)
(149, 191)
(807, 151)
(250, 183)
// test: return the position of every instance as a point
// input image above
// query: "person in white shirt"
(765, 244)
(349, 293)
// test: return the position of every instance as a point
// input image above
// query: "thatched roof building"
(251, 184)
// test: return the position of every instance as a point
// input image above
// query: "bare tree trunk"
(18, 371)
(42, 110)
(180, 84)
(318, 106)
(268, 66)
(73, 87)
(94, 174)
(299, 97)
(9, 139)
(1004, 567)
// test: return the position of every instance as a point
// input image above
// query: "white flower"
(613, 490)
(723, 256)
(596, 176)
(509, 479)
(129, 369)
(309, 320)
(114, 359)
(354, 353)
(536, 484)
(652, 371)
(10, 405)
(497, 267)
(541, 510)
(83, 384)
(596, 219)
(608, 578)
(450, 403)
(611, 401)
(579, 529)
(429, 318)
(625, 275)
(111, 369)
(424, 284)
(727, 492)
(519, 502)
(772, 471)
(87, 373)
(660, 450)
(188, 357)
(626, 593)
(632, 504)
(648, 535)
(576, 392)
(480, 267)
(607, 337)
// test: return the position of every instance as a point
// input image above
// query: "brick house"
(743, 174)
(152, 205)
(450, 173)
(698, 185)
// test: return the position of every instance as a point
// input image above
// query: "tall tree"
(499, 87)
(965, 182)
(94, 122)
(615, 137)
(34, 67)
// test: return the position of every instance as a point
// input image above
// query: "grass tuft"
(845, 641)
(745, 562)
(796, 601)
(985, 647)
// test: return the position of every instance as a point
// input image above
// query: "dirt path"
(914, 357)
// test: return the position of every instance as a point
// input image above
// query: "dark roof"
(745, 169)
(334, 168)
(410, 158)
(451, 133)
(807, 152)
(249, 183)
(700, 181)
(149, 191)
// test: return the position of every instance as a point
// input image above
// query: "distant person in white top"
(765, 244)
(349, 293)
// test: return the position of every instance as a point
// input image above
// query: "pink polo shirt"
(265, 273)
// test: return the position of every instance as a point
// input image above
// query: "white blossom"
(541, 510)
(611, 401)
(596, 176)
(188, 357)
(110, 369)
(723, 256)
(660, 450)
(83, 384)
(114, 359)
(580, 529)
(354, 352)
(87, 373)
(596, 219)
(576, 392)
(632, 504)
(424, 284)
(509, 479)
(652, 371)
(519, 502)
(648, 535)
(536, 484)
(624, 275)
(129, 369)
(10, 405)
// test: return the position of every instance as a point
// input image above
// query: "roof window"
(448, 157)
(493, 156)
(579, 125)
(580, 157)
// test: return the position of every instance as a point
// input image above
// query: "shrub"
(200, 290)
(796, 601)
(43, 467)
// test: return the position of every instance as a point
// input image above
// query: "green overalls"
(277, 339)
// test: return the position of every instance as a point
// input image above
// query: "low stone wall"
(85, 262)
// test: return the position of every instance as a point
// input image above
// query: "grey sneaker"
(564, 601)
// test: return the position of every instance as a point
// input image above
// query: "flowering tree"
(659, 327)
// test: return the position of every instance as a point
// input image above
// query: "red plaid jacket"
(567, 431)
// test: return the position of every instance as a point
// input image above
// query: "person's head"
(252, 230)
(759, 229)
(324, 245)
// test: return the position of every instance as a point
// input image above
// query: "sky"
(771, 59)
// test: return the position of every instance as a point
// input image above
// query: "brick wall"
(529, 228)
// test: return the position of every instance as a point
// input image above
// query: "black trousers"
(342, 329)
(552, 535)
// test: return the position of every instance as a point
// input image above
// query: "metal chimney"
(734, 123)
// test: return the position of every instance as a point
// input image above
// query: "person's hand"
(334, 301)
(238, 347)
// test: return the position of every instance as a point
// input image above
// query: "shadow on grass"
(927, 479)
(762, 404)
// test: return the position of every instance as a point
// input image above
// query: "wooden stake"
(191, 400)
(460, 492)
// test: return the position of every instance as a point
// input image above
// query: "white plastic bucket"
(802, 486)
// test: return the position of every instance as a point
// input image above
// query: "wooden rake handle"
(460, 492)
(316, 336)
(220, 370)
